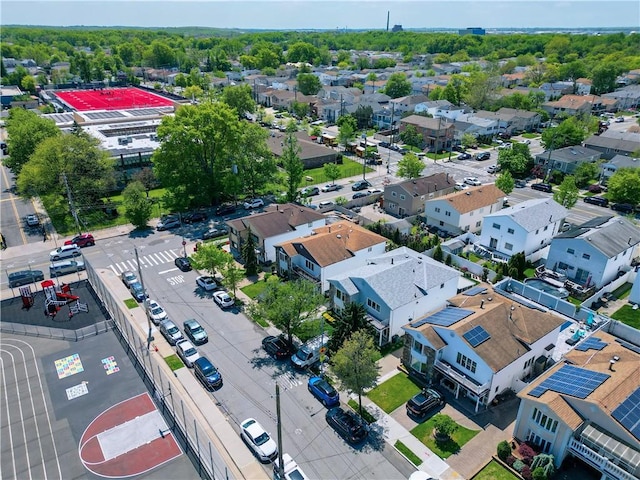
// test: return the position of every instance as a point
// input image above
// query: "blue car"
(324, 392)
(208, 375)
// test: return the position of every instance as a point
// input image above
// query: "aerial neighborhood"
(436, 233)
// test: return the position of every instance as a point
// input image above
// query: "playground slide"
(66, 296)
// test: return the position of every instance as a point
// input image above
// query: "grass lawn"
(365, 414)
(472, 257)
(424, 433)
(313, 328)
(574, 301)
(494, 471)
(403, 449)
(623, 290)
(393, 393)
(174, 362)
(131, 303)
(254, 289)
(439, 156)
(628, 315)
(530, 135)
(530, 272)
(348, 168)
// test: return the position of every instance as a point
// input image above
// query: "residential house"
(408, 198)
(440, 108)
(610, 167)
(596, 252)
(329, 251)
(627, 97)
(311, 153)
(566, 159)
(553, 91)
(570, 105)
(8, 93)
(512, 120)
(395, 288)
(277, 224)
(510, 80)
(587, 407)
(463, 211)
(436, 132)
(611, 143)
(407, 104)
(480, 345)
(526, 227)
(477, 126)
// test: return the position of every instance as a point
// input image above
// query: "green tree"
(299, 109)
(28, 83)
(438, 255)
(410, 166)
(455, 89)
(585, 173)
(331, 171)
(255, 165)
(567, 193)
(603, 77)
(147, 178)
(25, 131)
(308, 83)
(232, 276)
(572, 71)
(569, 132)
(505, 182)
(239, 97)
(137, 207)
(624, 186)
(355, 364)
(410, 136)
(444, 425)
(543, 462)
(346, 131)
(538, 474)
(292, 165)
(513, 161)
(397, 85)
(468, 140)
(372, 78)
(302, 52)
(364, 116)
(193, 92)
(248, 252)
(288, 305)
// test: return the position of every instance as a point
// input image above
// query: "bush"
(527, 453)
(539, 474)
(518, 465)
(510, 460)
(526, 473)
(504, 450)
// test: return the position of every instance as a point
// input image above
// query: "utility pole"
(71, 205)
(364, 156)
(279, 422)
(145, 302)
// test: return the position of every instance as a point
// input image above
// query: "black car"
(483, 156)
(520, 184)
(183, 264)
(464, 156)
(600, 201)
(348, 425)
(194, 217)
(624, 208)
(542, 187)
(359, 195)
(384, 144)
(278, 347)
(425, 401)
(225, 209)
(458, 148)
(207, 373)
(24, 277)
(360, 185)
(138, 292)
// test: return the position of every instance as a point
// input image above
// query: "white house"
(395, 288)
(480, 345)
(526, 227)
(440, 108)
(463, 211)
(477, 126)
(587, 407)
(595, 252)
(329, 251)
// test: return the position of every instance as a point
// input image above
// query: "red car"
(84, 240)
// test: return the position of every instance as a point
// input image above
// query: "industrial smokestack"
(387, 20)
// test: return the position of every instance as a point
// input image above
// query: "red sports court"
(111, 99)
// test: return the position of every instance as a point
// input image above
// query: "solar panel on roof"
(476, 336)
(593, 343)
(443, 318)
(570, 380)
(628, 413)
(472, 292)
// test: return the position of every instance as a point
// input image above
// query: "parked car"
(459, 148)
(84, 240)
(624, 208)
(464, 156)
(504, 146)
(384, 144)
(520, 184)
(461, 186)
(323, 391)
(542, 187)
(473, 181)
(66, 251)
(137, 291)
(207, 283)
(347, 424)
(373, 191)
(225, 209)
(32, 220)
(600, 201)
(619, 120)
(425, 401)
(168, 224)
(65, 267)
(170, 332)
(493, 169)
(223, 299)
(331, 187)
(156, 313)
(187, 352)
(526, 141)
(310, 191)
(194, 217)
(258, 440)
(195, 331)
(278, 347)
(325, 204)
(360, 185)
(483, 156)
(215, 232)
(207, 373)
(253, 203)
(359, 195)
(128, 278)
(183, 264)
(24, 277)
(596, 188)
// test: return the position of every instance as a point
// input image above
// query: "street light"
(364, 156)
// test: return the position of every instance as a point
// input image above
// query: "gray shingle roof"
(533, 214)
(612, 237)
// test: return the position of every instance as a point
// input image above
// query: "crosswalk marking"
(288, 380)
(146, 261)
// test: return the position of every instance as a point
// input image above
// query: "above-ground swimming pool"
(546, 287)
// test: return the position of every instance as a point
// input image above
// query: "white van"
(65, 251)
(65, 267)
(310, 352)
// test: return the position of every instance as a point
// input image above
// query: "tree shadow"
(141, 232)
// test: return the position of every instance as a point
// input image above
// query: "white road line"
(132, 264)
(158, 257)
(114, 270)
(151, 260)
(142, 262)
(174, 254)
(165, 258)
(6, 399)
(167, 271)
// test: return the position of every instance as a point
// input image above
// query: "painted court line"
(119, 440)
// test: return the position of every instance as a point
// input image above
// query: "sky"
(320, 14)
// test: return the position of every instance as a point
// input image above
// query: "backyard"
(494, 471)
(393, 393)
(348, 168)
(628, 316)
(424, 433)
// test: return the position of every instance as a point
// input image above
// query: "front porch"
(459, 383)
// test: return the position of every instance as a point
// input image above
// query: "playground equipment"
(58, 296)
(27, 297)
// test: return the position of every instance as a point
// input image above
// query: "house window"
(496, 226)
(545, 227)
(373, 305)
(369, 249)
(570, 251)
(544, 421)
(510, 230)
(447, 213)
(508, 246)
(340, 295)
(586, 256)
(309, 265)
(402, 197)
(478, 224)
(437, 209)
(394, 194)
(467, 363)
